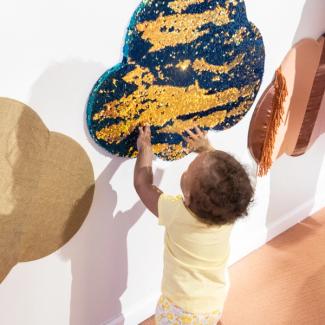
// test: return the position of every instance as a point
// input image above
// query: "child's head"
(216, 188)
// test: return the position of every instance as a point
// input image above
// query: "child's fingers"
(198, 130)
(147, 130)
(193, 135)
(140, 131)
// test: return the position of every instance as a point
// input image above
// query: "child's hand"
(144, 138)
(197, 140)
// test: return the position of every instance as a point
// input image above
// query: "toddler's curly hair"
(223, 191)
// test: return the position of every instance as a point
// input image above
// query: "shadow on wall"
(98, 252)
(98, 255)
(99, 263)
(61, 93)
(293, 180)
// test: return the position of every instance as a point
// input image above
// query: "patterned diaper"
(168, 313)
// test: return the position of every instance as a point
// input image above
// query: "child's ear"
(187, 199)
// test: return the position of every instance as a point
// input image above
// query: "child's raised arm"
(143, 177)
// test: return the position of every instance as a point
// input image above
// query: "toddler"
(216, 191)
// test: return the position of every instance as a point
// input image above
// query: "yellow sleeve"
(167, 208)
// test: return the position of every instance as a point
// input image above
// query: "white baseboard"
(116, 321)
(138, 314)
(292, 218)
(146, 309)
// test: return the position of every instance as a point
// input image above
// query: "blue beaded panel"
(185, 63)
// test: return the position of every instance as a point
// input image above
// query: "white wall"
(52, 52)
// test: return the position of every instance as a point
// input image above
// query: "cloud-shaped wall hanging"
(185, 63)
(47, 186)
(290, 115)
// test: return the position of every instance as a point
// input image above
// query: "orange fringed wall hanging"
(290, 114)
(277, 112)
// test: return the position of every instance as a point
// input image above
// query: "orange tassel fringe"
(280, 94)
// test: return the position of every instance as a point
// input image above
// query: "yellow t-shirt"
(195, 275)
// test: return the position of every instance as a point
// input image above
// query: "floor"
(283, 282)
